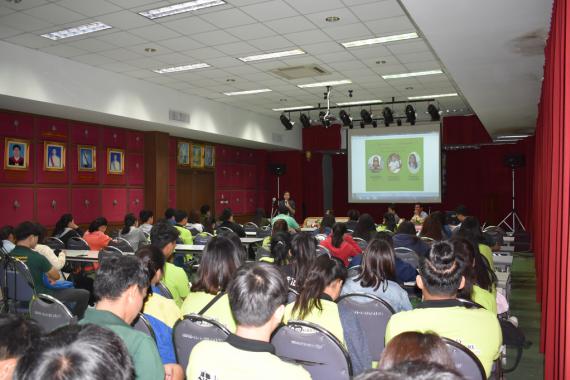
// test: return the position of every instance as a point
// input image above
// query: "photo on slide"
(414, 163)
(394, 163)
(375, 163)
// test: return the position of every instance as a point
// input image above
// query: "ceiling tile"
(217, 37)
(291, 24)
(272, 44)
(189, 26)
(65, 51)
(118, 67)
(147, 63)
(54, 14)
(423, 66)
(342, 33)
(204, 53)
(405, 47)
(142, 74)
(121, 39)
(224, 62)
(345, 15)
(393, 25)
(23, 22)
(308, 37)
(371, 51)
(250, 32)
(8, 31)
(124, 20)
(312, 6)
(270, 10)
(415, 57)
(90, 8)
(180, 44)
(121, 54)
(336, 57)
(323, 48)
(91, 44)
(228, 18)
(175, 59)
(29, 40)
(154, 33)
(93, 59)
(18, 6)
(242, 69)
(132, 3)
(237, 49)
(378, 10)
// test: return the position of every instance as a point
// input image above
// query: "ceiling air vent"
(299, 72)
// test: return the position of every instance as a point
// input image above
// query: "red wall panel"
(51, 204)
(251, 202)
(52, 129)
(135, 142)
(85, 204)
(222, 176)
(16, 125)
(114, 204)
(114, 138)
(17, 205)
(223, 200)
(136, 201)
(238, 202)
(171, 199)
(222, 153)
(84, 134)
(135, 169)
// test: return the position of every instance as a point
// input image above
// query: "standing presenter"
(288, 203)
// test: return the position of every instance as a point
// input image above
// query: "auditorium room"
(284, 189)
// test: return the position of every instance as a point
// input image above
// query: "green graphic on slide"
(395, 164)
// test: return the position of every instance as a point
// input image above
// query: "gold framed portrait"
(86, 158)
(54, 156)
(16, 154)
(115, 161)
(197, 156)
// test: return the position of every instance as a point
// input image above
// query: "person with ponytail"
(95, 235)
(131, 231)
(303, 254)
(340, 244)
(280, 249)
(441, 276)
(65, 228)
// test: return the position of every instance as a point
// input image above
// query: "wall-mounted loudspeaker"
(278, 169)
(514, 160)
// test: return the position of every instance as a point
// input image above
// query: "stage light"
(361, 124)
(434, 112)
(388, 116)
(305, 121)
(399, 122)
(288, 124)
(366, 117)
(346, 119)
(410, 115)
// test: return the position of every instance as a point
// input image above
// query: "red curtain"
(551, 198)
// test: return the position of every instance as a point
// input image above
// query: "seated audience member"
(440, 312)
(56, 261)
(181, 218)
(406, 237)
(303, 255)
(95, 235)
(442, 220)
(227, 220)
(353, 216)
(316, 300)
(432, 228)
(161, 312)
(388, 223)
(169, 215)
(194, 221)
(8, 238)
(146, 218)
(279, 226)
(378, 275)
(77, 352)
(392, 210)
(205, 214)
(120, 287)
(326, 225)
(131, 232)
(419, 214)
(18, 334)
(415, 370)
(480, 280)
(257, 295)
(414, 346)
(280, 249)
(340, 244)
(461, 213)
(210, 225)
(404, 271)
(471, 229)
(65, 228)
(284, 215)
(26, 240)
(163, 236)
(240, 248)
(220, 260)
(365, 227)
(260, 219)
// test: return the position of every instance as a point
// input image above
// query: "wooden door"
(194, 188)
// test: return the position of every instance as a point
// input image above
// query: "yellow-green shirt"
(163, 309)
(476, 329)
(176, 281)
(488, 254)
(220, 310)
(328, 318)
(485, 298)
(185, 235)
(240, 359)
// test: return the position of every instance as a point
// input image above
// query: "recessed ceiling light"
(176, 69)
(380, 40)
(249, 92)
(409, 88)
(357, 102)
(432, 96)
(293, 108)
(282, 100)
(230, 80)
(332, 19)
(382, 62)
(278, 54)
(77, 31)
(324, 84)
(150, 50)
(180, 8)
(414, 74)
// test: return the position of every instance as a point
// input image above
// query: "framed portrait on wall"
(183, 153)
(86, 158)
(54, 156)
(209, 159)
(115, 161)
(197, 156)
(16, 154)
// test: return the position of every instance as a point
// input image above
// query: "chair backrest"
(107, 252)
(466, 363)
(143, 325)
(313, 347)
(354, 271)
(292, 295)
(263, 232)
(193, 329)
(193, 231)
(54, 243)
(77, 243)
(261, 252)
(320, 237)
(164, 290)
(361, 242)
(322, 251)
(250, 227)
(373, 314)
(202, 238)
(16, 281)
(427, 239)
(50, 313)
(223, 229)
(407, 255)
(121, 244)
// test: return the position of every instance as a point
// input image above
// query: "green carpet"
(524, 306)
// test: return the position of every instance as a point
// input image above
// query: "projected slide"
(395, 165)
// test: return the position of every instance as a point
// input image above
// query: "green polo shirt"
(176, 281)
(292, 223)
(185, 235)
(141, 346)
(219, 311)
(37, 264)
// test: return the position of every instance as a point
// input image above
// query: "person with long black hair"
(303, 255)
(406, 237)
(365, 227)
(280, 249)
(340, 244)
(471, 229)
(131, 231)
(65, 228)
(95, 236)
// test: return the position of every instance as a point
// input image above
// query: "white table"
(308, 229)
(81, 256)
(189, 248)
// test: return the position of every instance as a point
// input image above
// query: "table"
(308, 229)
(81, 256)
(503, 259)
(189, 248)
